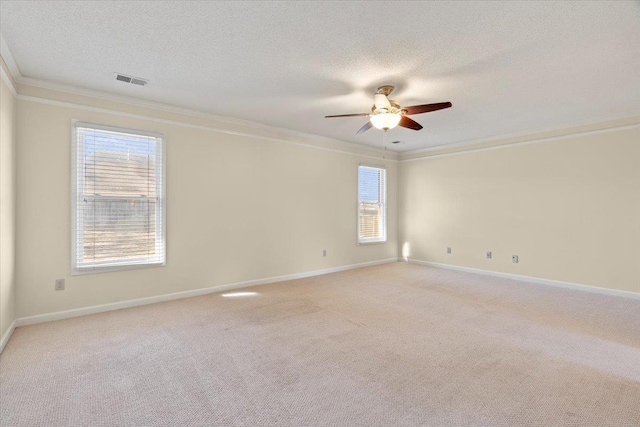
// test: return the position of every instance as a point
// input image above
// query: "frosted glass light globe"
(385, 121)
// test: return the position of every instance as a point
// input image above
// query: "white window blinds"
(372, 204)
(118, 198)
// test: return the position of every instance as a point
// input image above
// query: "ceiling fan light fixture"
(385, 121)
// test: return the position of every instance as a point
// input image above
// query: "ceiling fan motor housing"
(395, 108)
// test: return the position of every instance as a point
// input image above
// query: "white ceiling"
(507, 67)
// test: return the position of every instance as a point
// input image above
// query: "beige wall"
(7, 207)
(248, 202)
(569, 207)
(238, 208)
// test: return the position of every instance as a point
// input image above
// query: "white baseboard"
(547, 282)
(23, 321)
(7, 335)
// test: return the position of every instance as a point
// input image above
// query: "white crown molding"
(23, 321)
(527, 142)
(8, 81)
(529, 279)
(187, 112)
(6, 54)
(7, 335)
(403, 156)
(528, 134)
(194, 126)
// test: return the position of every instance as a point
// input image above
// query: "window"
(372, 204)
(118, 198)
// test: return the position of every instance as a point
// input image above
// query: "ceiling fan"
(387, 114)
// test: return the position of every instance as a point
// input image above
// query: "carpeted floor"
(391, 345)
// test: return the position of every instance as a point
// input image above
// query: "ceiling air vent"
(140, 82)
(133, 80)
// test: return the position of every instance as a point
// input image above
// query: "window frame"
(383, 204)
(161, 232)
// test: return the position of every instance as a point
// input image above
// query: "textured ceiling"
(507, 67)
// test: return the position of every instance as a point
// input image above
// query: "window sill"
(376, 242)
(113, 268)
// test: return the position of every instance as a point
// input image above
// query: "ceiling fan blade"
(426, 108)
(406, 122)
(364, 128)
(380, 100)
(347, 115)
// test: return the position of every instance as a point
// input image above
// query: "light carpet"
(390, 345)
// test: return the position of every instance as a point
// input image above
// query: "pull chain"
(384, 145)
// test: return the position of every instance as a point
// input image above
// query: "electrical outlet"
(59, 284)
(488, 254)
(514, 258)
(324, 252)
(448, 250)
